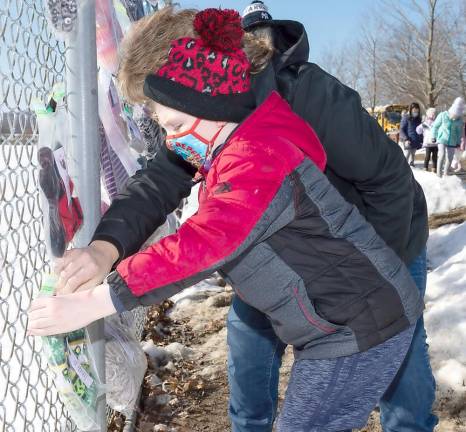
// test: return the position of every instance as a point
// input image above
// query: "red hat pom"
(219, 28)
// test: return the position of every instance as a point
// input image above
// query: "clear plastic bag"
(70, 357)
(125, 364)
(62, 213)
(113, 121)
(108, 35)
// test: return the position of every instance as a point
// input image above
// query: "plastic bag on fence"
(71, 361)
(108, 35)
(134, 8)
(113, 174)
(62, 214)
(136, 139)
(110, 112)
(125, 364)
(123, 15)
(62, 16)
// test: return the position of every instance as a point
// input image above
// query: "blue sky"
(328, 23)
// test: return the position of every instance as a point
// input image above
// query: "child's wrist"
(102, 301)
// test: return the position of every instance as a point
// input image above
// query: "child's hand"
(81, 269)
(65, 313)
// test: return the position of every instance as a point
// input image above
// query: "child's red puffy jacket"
(286, 240)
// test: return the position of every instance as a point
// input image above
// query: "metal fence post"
(84, 150)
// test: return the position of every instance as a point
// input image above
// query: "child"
(411, 140)
(447, 131)
(274, 227)
(431, 147)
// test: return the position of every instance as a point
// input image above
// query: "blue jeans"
(255, 356)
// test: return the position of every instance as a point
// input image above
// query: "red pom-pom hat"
(209, 76)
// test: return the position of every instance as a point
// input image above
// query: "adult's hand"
(84, 268)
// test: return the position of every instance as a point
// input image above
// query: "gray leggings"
(445, 158)
(409, 155)
(338, 394)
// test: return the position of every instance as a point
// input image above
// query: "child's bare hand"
(64, 313)
(81, 269)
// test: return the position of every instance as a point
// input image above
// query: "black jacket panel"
(149, 196)
(366, 167)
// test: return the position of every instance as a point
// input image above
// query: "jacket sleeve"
(404, 129)
(234, 215)
(436, 126)
(149, 196)
(364, 156)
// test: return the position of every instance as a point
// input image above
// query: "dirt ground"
(455, 216)
(192, 393)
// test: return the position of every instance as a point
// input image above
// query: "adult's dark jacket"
(366, 167)
(408, 132)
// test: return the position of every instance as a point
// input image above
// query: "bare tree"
(344, 63)
(457, 39)
(430, 83)
(411, 50)
(418, 58)
(369, 49)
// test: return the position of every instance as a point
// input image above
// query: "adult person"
(411, 140)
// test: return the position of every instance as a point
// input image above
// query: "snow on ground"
(442, 194)
(445, 315)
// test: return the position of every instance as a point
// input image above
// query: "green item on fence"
(70, 359)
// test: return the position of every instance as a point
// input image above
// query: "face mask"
(191, 146)
(415, 114)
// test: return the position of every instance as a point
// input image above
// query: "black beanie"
(255, 14)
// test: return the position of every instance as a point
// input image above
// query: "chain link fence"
(32, 60)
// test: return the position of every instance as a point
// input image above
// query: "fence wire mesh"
(31, 62)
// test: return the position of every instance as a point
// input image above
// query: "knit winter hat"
(207, 77)
(430, 113)
(257, 13)
(457, 108)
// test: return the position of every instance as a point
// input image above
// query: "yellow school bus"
(389, 118)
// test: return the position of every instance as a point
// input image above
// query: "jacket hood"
(291, 43)
(274, 119)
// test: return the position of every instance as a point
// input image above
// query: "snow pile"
(200, 291)
(445, 315)
(442, 194)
